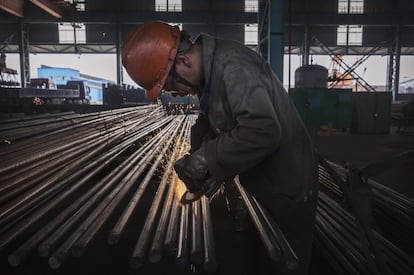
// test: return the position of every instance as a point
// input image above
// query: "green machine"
(323, 106)
(361, 112)
(371, 112)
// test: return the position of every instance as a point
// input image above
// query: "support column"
(119, 70)
(271, 34)
(306, 47)
(394, 65)
(24, 55)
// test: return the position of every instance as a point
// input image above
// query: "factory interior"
(87, 180)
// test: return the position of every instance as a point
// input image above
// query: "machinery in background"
(44, 91)
(7, 75)
(175, 104)
(319, 105)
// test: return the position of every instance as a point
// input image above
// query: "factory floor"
(234, 253)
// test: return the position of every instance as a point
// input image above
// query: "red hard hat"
(148, 54)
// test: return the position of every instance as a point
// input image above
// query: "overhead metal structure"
(282, 28)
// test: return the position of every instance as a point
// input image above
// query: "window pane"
(355, 35)
(342, 6)
(160, 5)
(250, 34)
(251, 5)
(174, 5)
(357, 6)
(168, 5)
(67, 33)
(351, 6)
(351, 33)
(341, 35)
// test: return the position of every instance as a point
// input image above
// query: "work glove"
(193, 170)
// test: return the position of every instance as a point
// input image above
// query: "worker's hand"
(193, 170)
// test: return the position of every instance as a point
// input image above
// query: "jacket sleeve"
(247, 92)
(200, 132)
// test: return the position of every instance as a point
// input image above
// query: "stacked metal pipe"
(67, 174)
(339, 236)
(71, 175)
(390, 205)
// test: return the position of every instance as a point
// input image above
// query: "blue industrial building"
(62, 75)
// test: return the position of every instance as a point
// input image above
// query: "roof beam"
(48, 7)
(14, 7)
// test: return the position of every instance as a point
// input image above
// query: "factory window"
(79, 4)
(67, 33)
(250, 34)
(351, 6)
(168, 5)
(251, 5)
(349, 35)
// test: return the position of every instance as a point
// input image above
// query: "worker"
(247, 126)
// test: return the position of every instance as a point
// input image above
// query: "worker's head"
(149, 55)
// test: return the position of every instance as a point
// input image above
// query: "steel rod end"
(154, 257)
(136, 263)
(13, 260)
(292, 264)
(54, 262)
(210, 266)
(77, 251)
(113, 239)
(43, 250)
(181, 263)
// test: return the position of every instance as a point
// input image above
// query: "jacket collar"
(209, 45)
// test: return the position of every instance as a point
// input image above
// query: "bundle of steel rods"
(66, 179)
(339, 237)
(67, 175)
(390, 203)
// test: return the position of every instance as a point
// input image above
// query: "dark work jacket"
(259, 134)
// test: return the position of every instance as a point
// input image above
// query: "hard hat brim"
(154, 92)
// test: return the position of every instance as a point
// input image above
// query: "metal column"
(271, 31)
(24, 55)
(394, 64)
(119, 70)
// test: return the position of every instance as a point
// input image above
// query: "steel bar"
(119, 227)
(17, 256)
(267, 238)
(79, 124)
(331, 249)
(289, 256)
(47, 187)
(103, 160)
(197, 242)
(210, 262)
(116, 196)
(22, 160)
(343, 221)
(140, 251)
(171, 235)
(58, 256)
(182, 259)
(156, 249)
(24, 181)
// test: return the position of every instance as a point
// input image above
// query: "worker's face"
(175, 87)
(189, 67)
